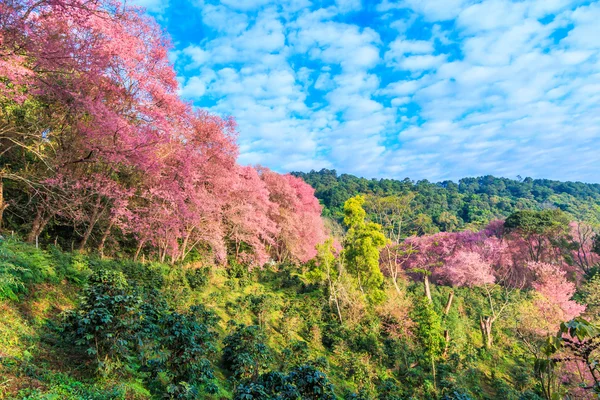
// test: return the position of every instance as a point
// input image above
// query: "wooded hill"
(450, 206)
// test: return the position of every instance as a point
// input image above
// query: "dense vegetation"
(449, 206)
(139, 260)
(449, 315)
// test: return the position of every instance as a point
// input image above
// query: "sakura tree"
(95, 137)
(297, 216)
(554, 303)
(582, 253)
(428, 256)
(246, 218)
(469, 269)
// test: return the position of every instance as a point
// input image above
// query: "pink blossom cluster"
(123, 152)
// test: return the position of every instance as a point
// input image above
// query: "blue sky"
(434, 89)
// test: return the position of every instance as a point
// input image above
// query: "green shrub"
(107, 319)
(186, 343)
(197, 278)
(305, 382)
(22, 264)
(245, 353)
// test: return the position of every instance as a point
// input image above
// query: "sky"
(425, 89)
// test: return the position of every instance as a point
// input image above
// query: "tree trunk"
(447, 341)
(485, 324)
(394, 280)
(333, 294)
(39, 223)
(86, 236)
(137, 251)
(3, 204)
(427, 288)
(90, 228)
(105, 236)
(163, 254)
(449, 303)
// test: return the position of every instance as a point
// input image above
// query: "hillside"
(472, 202)
(118, 343)
(446, 321)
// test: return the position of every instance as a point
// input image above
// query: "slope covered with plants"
(467, 315)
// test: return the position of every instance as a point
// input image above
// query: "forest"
(140, 260)
(468, 204)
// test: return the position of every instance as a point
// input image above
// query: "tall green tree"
(542, 231)
(361, 249)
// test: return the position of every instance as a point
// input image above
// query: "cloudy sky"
(435, 89)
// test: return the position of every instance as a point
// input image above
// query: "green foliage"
(531, 222)
(596, 245)
(310, 383)
(186, 344)
(295, 354)
(10, 280)
(141, 327)
(251, 391)
(428, 330)
(245, 353)
(361, 248)
(22, 265)
(458, 396)
(106, 320)
(304, 382)
(450, 206)
(389, 390)
(197, 278)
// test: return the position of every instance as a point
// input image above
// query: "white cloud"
(421, 62)
(334, 43)
(345, 6)
(466, 87)
(432, 10)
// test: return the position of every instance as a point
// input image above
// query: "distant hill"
(453, 206)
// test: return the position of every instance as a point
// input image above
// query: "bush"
(245, 353)
(389, 390)
(250, 391)
(456, 395)
(20, 265)
(305, 382)
(311, 383)
(107, 319)
(186, 342)
(197, 278)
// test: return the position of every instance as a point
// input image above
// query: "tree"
(541, 230)
(361, 248)
(395, 215)
(246, 218)
(428, 331)
(583, 254)
(555, 302)
(469, 269)
(104, 107)
(428, 254)
(330, 271)
(297, 216)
